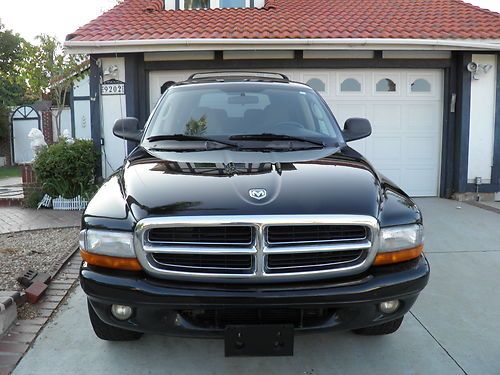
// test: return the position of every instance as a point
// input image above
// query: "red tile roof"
(407, 19)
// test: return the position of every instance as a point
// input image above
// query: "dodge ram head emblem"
(258, 193)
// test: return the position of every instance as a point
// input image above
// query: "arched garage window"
(421, 85)
(317, 84)
(350, 85)
(386, 85)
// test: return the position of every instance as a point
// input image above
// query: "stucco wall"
(482, 120)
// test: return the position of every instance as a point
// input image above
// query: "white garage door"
(405, 109)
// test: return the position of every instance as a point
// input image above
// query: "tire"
(110, 333)
(381, 329)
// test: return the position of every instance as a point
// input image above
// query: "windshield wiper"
(185, 137)
(273, 137)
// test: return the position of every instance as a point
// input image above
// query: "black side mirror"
(128, 128)
(356, 128)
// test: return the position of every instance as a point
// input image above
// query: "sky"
(61, 17)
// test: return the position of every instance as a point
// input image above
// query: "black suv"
(243, 214)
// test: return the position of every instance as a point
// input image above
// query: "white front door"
(405, 108)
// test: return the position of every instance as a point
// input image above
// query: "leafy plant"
(196, 127)
(33, 197)
(67, 169)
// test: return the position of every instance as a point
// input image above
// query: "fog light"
(388, 307)
(121, 312)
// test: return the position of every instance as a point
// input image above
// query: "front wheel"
(107, 332)
(381, 329)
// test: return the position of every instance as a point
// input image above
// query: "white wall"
(65, 122)
(82, 86)
(482, 121)
(82, 119)
(113, 107)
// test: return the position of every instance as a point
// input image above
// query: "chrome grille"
(256, 248)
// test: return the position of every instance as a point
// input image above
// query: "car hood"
(328, 181)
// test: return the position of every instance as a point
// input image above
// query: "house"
(425, 73)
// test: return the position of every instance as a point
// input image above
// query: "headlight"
(400, 244)
(111, 243)
(401, 237)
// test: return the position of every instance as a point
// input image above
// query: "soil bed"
(41, 250)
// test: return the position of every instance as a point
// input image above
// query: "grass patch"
(6, 172)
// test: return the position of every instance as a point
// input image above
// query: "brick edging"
(11, 202)
(21, 336)
(484, 207)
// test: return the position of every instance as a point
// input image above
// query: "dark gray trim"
(81, 98)
(252, 3)
(298, 63)
(131, 93)
(95, 110)
(177, 4)
(449, 129)
(484, 188)
(72, 111)
(495, 169)
(461, 151)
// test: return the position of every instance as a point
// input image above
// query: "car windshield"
(243, 111)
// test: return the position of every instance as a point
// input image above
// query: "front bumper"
(184, 309)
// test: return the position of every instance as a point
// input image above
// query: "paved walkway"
(15, 219)
(453, 328)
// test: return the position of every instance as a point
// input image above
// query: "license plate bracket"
(259, 340)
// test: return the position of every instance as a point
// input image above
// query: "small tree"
(12, 83)
(51, 73)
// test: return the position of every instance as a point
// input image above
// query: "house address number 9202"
(113, 87)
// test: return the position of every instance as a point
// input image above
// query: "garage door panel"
(385, 149)
(343, 111)
(386, 118)
(420, 181)
(423, 117)
(421, 149)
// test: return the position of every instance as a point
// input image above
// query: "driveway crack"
(441, 345)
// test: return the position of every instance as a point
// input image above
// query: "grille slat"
(202, 235)
(203, 261)
(330, 259)
(314, 233)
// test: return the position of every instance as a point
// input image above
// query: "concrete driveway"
(454, 328)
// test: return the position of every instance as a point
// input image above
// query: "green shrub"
(67, 169)
(32, 198)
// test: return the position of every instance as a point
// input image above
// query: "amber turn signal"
(398, 256)
(129, 264)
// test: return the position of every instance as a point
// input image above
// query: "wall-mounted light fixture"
(111, 72)
(478, 69)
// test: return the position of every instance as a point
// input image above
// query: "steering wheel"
(289, 124)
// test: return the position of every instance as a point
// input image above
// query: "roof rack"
(245, 74)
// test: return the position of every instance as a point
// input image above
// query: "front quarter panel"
(398, 209)
(108, 209)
